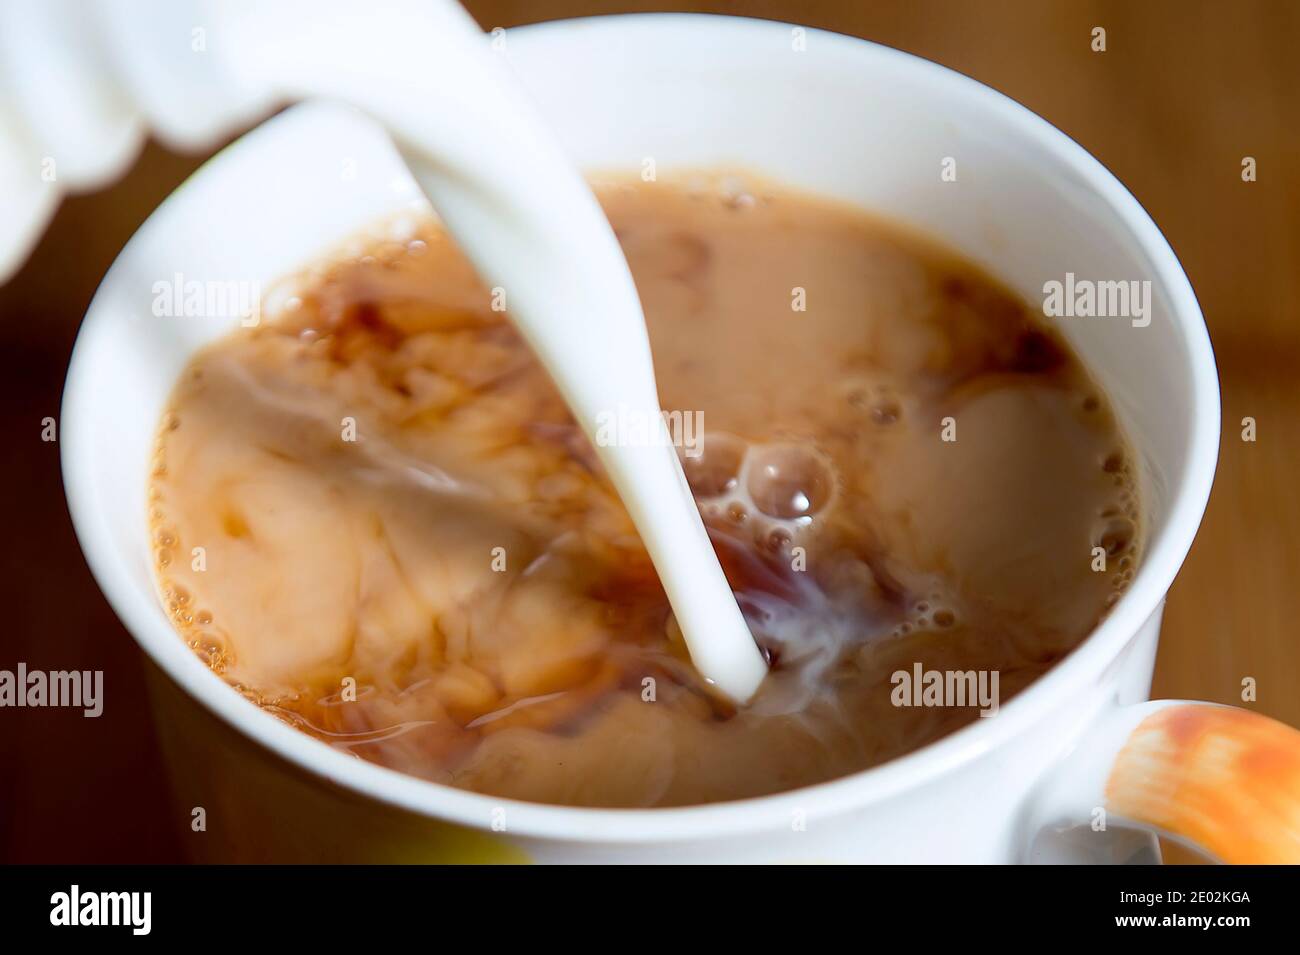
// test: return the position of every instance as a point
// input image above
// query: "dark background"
(1182, 94)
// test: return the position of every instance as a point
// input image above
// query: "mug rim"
(1154, 575)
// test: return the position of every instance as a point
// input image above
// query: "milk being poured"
(534, 232)
(460, 594)
(189, 71)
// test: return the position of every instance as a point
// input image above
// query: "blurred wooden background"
(1183, 92)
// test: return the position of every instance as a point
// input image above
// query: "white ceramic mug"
(822, 112)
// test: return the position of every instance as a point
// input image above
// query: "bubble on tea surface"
(212, 650)
(789, 481)
(1116, 536)
(735, 194)
(886, 411)
(877, 402)
(715, 471)
(776, 540)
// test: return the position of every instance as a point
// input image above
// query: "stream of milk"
(86, 79)
(531, 227)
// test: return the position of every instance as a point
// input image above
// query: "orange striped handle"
(1224, 778)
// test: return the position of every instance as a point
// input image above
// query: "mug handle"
(1224, 779)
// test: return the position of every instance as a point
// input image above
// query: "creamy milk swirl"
(374, 515)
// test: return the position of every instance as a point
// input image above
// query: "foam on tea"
(409, 549)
